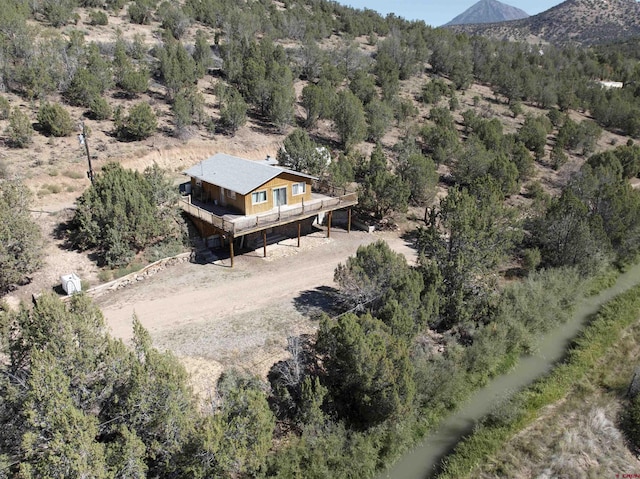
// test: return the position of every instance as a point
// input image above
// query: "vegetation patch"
(597, 338)
(20, 237)
(601, 281)
(49, 188)
(74, 175)
(124, 212)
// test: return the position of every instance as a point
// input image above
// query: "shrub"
(115, 5)
(74, 175)
(58, 12)
(134, 81)
(173, 19)
(233, 113)
(5, 108)
(84, 86)
(98, 17)
(99, 109)
(531, 259)
(54, 120)
(19, 130)
(140, 11)
(124, 212)
(20, 237)
(140, 123)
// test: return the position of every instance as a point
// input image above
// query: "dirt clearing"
(241, 317)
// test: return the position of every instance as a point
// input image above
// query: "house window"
(298, 188)
(258, 197)
(231, 194)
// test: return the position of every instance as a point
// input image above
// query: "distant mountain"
(488, 11)
(584, 22)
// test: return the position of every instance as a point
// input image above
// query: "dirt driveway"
(215, 317)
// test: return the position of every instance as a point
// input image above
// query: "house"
(248, 187)
(242, 201)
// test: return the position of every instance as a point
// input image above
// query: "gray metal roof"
(237, 174)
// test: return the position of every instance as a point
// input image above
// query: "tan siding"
(237, 203)
(207, 192)
(284, 179)
(243, 203)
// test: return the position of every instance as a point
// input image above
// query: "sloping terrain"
(584, 22)
(488, 11)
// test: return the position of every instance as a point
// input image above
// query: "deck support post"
(298, 234)
(231, 249)
(264, 242)
(329, 224)
(349, 221)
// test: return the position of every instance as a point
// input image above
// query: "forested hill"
(585, 22)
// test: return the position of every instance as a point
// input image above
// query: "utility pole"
(82, 138)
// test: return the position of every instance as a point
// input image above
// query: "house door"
(222, 199)
(279, 196)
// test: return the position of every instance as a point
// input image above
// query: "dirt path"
(212, 314)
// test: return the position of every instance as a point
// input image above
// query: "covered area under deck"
(214, 219)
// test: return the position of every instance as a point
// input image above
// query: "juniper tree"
(20, 237)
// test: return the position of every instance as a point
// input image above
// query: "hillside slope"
(488, 11)
(585, 22)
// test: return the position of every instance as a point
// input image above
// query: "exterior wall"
(235, 204)
(243, 203)
(282, 180)
(211, 193)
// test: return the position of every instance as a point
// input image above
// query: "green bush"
(124, 212)
(596, 339)
(84, 86)
(233, 113)
(54, 120)
(5, 108)
(58, 12)
(19, 130)
(115, 5)
(140, 11)
(531, 259)
(134, 80)
(20, 237)
(99, 109)
(98, 17)
(140, 123)
(173, 19)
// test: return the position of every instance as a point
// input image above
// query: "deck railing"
(266, 220)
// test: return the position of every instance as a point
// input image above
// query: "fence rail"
(266, 220)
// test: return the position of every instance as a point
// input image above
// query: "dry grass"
(579, 436)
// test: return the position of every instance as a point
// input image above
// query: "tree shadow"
(410, 237)
(515, 273)
(328, 143)
(321, 300)
(62, 231)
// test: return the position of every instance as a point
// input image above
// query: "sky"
(437, 13)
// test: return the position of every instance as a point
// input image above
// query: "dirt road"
(221, 317)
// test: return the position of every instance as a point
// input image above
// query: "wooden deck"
(236, 225)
